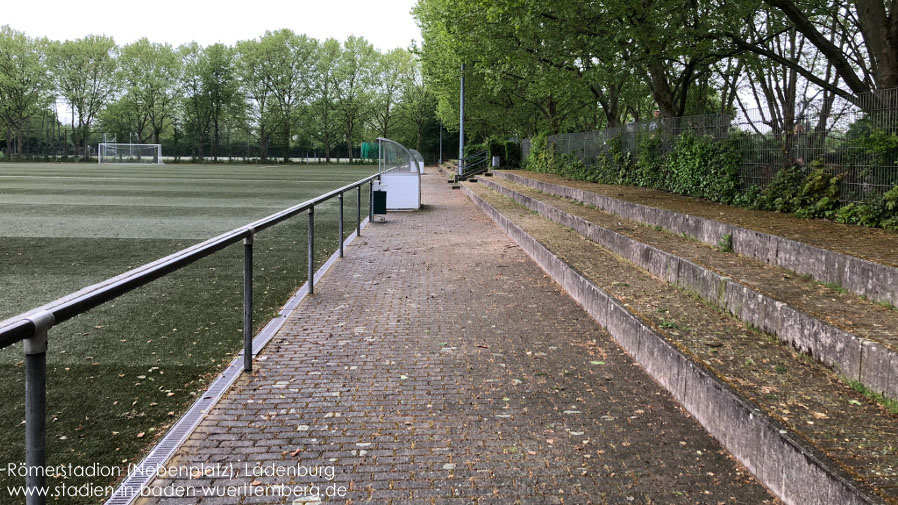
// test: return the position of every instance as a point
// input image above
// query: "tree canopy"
(282, 92)
(569, 65)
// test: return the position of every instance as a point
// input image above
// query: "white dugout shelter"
(401, 179)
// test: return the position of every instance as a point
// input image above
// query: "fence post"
(371, 200)
(248, 302)
(312, 250)
(341, 224)
(36, 408)
(358, 217)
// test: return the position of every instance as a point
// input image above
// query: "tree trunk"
(660, 89)
(880, 33)
(551, 112)
(74, 139)
(215, 140)
(85, 133)
(349, 148)
(286, 141)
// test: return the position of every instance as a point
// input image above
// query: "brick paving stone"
(436, 364)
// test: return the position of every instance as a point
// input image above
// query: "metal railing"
(473, 164)
(33, 326)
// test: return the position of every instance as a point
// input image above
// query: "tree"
(418, 104)
(123, 118)
(257, 96)
(210, 86)
(781, 91)
(149, 74)
(323, 124)
(284, 66)
(83, 72)
(392, 71)
(858, 39)
(25, 88)
(523, 56)
(878, 26)
(352, 81)
(195, 104)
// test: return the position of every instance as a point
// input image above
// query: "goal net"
(109, 152)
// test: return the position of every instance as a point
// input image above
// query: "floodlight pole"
(441, 143)
(461, 124)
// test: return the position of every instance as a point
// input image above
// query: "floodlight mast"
(461, 124)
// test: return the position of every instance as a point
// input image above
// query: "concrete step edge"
(856, 357)
(863, 277)
(794, 470)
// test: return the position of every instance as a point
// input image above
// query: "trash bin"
(380, 202)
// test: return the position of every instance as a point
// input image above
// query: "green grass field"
(132, 366)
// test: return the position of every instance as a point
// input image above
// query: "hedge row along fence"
(837, 162)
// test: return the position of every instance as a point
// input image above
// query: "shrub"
(779, 194)
(613, 165)
(542, 156)
(748, 198)
(860, 213)
(649, 162)
(703, 167)
(819, 194)
(883, 146)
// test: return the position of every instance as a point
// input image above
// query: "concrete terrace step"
(449, 169)
(856, 336)
(805, 434)
(873, 276)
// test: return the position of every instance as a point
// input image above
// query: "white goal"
(110, 152)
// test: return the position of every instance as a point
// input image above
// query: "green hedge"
(707, 168)
(698, 166)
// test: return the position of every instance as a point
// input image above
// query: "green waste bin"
(380, 202)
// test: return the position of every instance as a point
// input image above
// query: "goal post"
(111, 152)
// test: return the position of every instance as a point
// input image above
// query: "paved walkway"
(437, 364)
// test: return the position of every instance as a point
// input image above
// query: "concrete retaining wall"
(873, 280)
(795, 471)
(855, 357)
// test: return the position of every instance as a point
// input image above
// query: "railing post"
(341, 224)
(312, 250)
(358, 217)
(36, 408)
(248, 303)
(371, 201)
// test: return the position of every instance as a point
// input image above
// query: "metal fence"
(837, 133)
(33, 326)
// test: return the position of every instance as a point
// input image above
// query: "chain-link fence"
(855, 138)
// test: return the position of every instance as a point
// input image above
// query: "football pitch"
(118, 375)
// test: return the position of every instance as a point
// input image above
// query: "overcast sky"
(385, 23)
